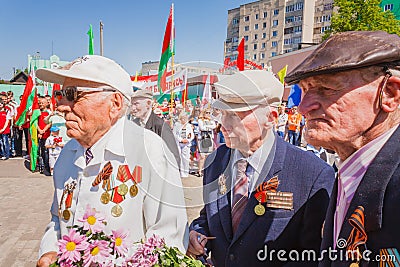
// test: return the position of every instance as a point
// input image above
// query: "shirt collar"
(259, 157)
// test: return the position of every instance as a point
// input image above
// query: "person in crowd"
(95, 96)
(188, 106)
(194, 152)
(294, 120)
(205, 137)
(184, 135)
(43, 134)
(145, 117)
(56, 118)
(350, 98)
(54, 143)
(5, 122)
(244, 214)
(198, 101)
(281, 122)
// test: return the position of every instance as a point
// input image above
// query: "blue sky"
(133, 30)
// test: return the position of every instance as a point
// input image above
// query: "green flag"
(34, 132)
(91, 42)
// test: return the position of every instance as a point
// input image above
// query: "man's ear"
(117, 102)
(391, 95)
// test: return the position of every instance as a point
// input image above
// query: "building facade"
(392, 5)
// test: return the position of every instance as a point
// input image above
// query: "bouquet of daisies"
(88, 246)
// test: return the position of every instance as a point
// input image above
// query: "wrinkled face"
(140, 107)
(242, 129)
(339, 107)
(89, 115)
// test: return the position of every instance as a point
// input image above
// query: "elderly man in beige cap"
(143, 115)
(351, 97)
(111, 165)
(244, 219)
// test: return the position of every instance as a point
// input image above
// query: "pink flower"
(97, 252)
(121, 242)
(155, 241)
(70, 247)
(93, 220)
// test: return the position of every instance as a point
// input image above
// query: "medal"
(354, 264)
(122, 189)
(259, 209)
(222, 184)
(133, 191)
(66, 214)
(116, 211)
(105, 198)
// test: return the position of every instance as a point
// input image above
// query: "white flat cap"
(245, 90)
(91, 68)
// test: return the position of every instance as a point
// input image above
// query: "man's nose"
(308, 103)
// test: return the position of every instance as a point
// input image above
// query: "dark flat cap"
(349, 50)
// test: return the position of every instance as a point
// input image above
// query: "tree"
(362, 15)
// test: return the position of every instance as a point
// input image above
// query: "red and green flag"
(91, 41)
(168, 49)
(34, 132)
(26, 101)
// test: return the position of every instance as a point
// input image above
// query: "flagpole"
(101, 38)
(172, 64)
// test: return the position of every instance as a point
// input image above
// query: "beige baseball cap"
(91, 68)
(245, 90)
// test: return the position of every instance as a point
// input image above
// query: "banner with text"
(179, 83)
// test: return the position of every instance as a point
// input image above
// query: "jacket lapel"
(272, 167)
(371, 190)
(327, 229)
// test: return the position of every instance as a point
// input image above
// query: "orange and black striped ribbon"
(104, 174)
(137, 174)
(358, 235)
(269, 186)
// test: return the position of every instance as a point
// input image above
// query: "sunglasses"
(73, 93)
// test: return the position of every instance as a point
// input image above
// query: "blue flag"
(294, 96)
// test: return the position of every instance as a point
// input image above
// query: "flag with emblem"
(34, 132)
(27, 99)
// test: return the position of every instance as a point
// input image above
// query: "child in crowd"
(54, 143)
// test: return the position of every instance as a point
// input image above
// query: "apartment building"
(275, 27)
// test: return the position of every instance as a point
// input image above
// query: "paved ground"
(25, 201)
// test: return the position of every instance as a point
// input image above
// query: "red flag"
(184, 95)
(240, 58)
(56, 87)
(168, 48)
(25, 105)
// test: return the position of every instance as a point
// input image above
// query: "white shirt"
(159, 207)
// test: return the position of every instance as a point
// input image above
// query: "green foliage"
(362, 15)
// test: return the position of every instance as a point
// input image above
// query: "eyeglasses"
(73, 93)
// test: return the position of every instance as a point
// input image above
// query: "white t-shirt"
(50, 141)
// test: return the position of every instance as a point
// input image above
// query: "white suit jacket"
(159, 207)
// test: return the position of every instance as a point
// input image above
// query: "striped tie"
(88, 156)
(240, 193)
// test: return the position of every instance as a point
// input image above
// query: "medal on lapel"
(222, 184)
(123, 175)
(136, 178)
(69, 193)
(262, 194)
(104, 176)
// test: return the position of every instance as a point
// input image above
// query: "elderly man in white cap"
(261, 194)
(111, 165)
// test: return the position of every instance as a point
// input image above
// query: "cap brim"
(221, 104)
(58, 76)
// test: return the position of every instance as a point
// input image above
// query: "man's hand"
(47, 259)
(197, 242)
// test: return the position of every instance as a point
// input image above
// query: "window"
(289, 19)
(235, 39)
(255, 36)
(274, 33)
(288, 41)
(276, 12)
(256, 26)
(325, 28)
(262, 56)
(256, 16)
(300, 18)
(255, 56)
(263, 45)
(265, 14)
(388, 7)
(245, 48)
(246, 28)
(246, 38)
(295, 7)
(264, 35)
(297, 29)
(328, 6)
(274, 44)
(246, 18)
(255, 46)
(264, 25)
(275, 23)
(297, 40)
(273, 54)
(235, 21)
(288, 30)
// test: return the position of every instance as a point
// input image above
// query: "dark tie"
(240, 193)
(88, 156)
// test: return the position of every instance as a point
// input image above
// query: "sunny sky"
(133, 30)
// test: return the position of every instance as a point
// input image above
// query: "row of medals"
(122, 189)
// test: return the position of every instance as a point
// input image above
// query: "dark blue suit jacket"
(379, 194)
(309, 178)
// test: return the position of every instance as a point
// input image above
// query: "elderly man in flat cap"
(111, 165)
(261, 193)
(351, 97)
(142, 102)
